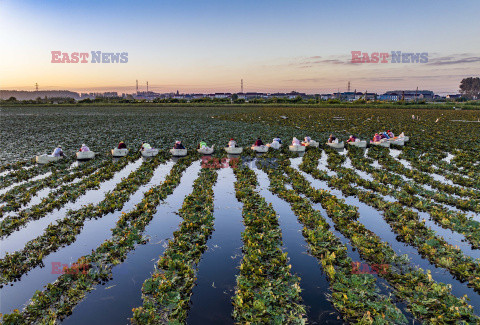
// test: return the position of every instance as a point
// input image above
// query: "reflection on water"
(112, 303)
(215, 286)
(313, 282)
(33, 229)
(373, 220)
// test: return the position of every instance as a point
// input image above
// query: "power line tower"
(147, 86)
(36, 86)
(348, 87)
(137, 86)
(241, 85)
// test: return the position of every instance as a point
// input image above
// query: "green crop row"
(24, 174)
(64, 232)
(266, 291)
(409, 228)
(59, 298)
(356, 296)
(384, 158)
(17, 165)
(58, 198)
(429, 301)
(453, 220)
(22, 194)
(166, 294)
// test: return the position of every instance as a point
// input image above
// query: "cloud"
(454, 59)
(308, 62)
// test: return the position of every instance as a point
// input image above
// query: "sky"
(209, 46)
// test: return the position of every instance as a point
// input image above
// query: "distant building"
(393, 97)
(456, 96)
(253, 95)
(410, 95)
(326, 96)
(223, 95)
(351, 96)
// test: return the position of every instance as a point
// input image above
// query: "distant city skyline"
(209, 46)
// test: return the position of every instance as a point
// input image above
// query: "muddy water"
(112, 303)
(33, 229)
(94, 232)
(217, 270)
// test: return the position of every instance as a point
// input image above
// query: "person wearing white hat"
(84, 148)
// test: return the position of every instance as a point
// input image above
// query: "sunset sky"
(208, 46)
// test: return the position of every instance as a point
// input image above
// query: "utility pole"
(137, 86)
(416, 91)
(348, 87)
(36, 86)
(241, 85)
(147, 87)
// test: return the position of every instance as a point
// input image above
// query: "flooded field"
(329, 236)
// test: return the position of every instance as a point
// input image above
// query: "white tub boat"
(260, 149)
(402, 136)
(397, 141)
(85, 155)
(360, 144)
(296, 148)
(206, 150)
(149, 152)
(385, 144)
(274, 145)
(119, 152)
(234, 150)
(45, 159)
(178, 152)
(312, 143)
(339, 145)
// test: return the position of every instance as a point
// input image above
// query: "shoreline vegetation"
(470, 105)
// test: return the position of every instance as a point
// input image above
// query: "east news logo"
(394, 56)
(95, 57)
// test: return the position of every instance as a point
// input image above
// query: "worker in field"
(377, 137)
(202, 144)
(390, 134)
(84, 148)
(58, 152)
(145, 146)
(277, 139)
(258, 143)
(178, 145)
(122, 145)
(232, 143)
(352, 138)
(331, 139)
(295, 142)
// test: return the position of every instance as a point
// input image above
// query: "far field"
(31, 130)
